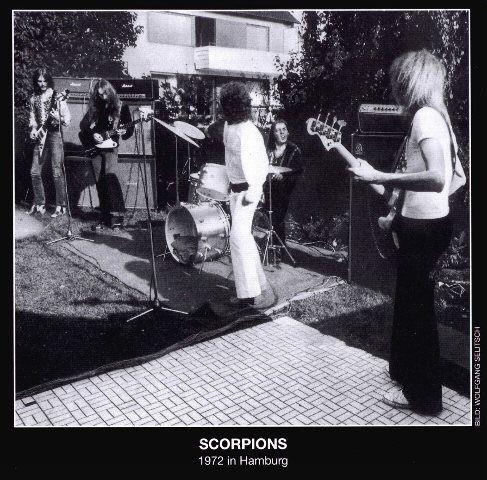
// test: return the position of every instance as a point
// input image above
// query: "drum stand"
(156, 306)
(269, 244)
(69, 234)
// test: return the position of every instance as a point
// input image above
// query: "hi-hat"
(189, 130)
(176, 131)
(278, 169)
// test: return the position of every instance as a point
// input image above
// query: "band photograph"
(243, 218)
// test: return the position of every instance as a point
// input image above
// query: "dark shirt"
(105, 123)
(291, 158)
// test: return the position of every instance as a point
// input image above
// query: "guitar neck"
(346, 155)
(125, 126)
(354, 162)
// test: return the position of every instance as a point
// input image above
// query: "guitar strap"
(51, 106)
(452, 145)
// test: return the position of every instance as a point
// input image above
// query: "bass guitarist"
(47, 112)
(423, 226)
(105, 113)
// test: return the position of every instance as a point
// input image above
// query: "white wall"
(152, 58)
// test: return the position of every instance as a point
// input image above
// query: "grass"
(52, 282)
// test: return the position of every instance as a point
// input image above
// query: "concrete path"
(277, 373)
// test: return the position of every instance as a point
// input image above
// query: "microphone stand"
(155, 303)
(69, 234)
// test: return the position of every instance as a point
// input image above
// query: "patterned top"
(39, 110)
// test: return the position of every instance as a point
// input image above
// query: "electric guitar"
(41, 132)
(92, 148)
(331, 138)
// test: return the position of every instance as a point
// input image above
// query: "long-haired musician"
(247, 168)
(423, 226)
(46, 110)
(282, 153)
(105, 113)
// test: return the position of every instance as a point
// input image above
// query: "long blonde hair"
(418, 80)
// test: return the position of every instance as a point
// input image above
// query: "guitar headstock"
(328, 133)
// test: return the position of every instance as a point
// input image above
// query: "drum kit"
(198, 230)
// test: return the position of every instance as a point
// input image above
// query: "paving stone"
(276, 373)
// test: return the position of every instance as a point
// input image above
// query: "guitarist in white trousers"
(422, 225)
(44, 112)
(247, 167)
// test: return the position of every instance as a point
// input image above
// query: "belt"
(239, 187)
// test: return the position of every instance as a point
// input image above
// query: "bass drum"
(197, 233)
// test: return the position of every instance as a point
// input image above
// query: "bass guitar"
(92, 148)
(331, 139)
(41, 132)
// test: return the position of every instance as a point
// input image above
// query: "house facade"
(215, 47)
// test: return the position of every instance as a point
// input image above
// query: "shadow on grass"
(53, 350)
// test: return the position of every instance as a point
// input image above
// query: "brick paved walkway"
(277, 373)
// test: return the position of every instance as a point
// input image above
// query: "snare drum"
(214, 182)
(197, 233)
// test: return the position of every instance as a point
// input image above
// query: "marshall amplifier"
(131, 172)
(378, 118)
(134, 92)
(136, 89)
(79, 88)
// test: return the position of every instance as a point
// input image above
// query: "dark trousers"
(281, 194)
(110, 195)
(415, 354)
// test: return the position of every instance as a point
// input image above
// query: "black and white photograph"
(243, 218)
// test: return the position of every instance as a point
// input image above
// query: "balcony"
(236, 60)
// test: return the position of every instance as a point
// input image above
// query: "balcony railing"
(236, 60)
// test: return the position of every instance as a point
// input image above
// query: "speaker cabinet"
(139, 94)
(371, 261)
(82, 185)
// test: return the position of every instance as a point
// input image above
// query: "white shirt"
(246, 157)
(428, 123)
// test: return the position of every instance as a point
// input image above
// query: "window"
(169, 28)
(205, 29)
(257, 37)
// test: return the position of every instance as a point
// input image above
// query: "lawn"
(64, 302)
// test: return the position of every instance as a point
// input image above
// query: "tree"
(346, 55)
(72, 44)
(82, 44)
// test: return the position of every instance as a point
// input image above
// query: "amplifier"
(379, 118)
(371, 254)
(82, 185)
(136, 89)
(127, 89)
(79, 88)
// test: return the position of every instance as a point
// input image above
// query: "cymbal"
(189, 130)
(278, 169)
(176, 132)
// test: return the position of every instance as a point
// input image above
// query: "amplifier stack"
(135, 93)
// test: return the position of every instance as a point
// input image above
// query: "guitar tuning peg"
(341, 124)
(326, 119)
(334, 121)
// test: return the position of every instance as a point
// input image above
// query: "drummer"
(282, 153)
